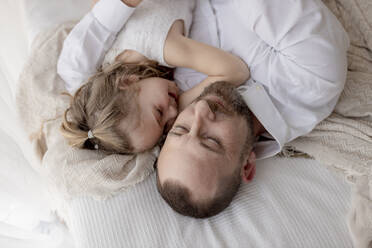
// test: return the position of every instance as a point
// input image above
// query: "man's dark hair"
(179, 197)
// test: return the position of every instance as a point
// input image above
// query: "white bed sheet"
(26, 218)
(291, 203)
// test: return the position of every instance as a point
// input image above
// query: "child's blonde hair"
(99, 105)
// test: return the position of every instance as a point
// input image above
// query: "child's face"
(154, 113)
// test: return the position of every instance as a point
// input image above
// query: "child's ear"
(127, 81)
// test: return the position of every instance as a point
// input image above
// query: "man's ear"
(249, 168)
(127, 81)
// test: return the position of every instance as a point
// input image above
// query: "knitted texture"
(71, 172)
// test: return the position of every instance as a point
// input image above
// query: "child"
(127, 106)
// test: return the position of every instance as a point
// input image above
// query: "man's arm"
(301, 58)
(180, 51)
(84, 48)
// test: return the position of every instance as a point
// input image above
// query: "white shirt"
(296, 51)
(85, 47)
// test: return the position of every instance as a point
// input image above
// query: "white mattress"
(290, 203)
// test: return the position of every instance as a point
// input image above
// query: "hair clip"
(90, 134)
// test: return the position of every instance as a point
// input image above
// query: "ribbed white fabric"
(291, 203)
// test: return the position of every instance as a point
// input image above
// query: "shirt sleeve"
(300, 60)
(84, 48)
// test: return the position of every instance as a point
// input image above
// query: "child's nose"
(172, 112)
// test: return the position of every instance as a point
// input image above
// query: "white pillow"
(291, 203)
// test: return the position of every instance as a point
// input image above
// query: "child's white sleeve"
(85, 46)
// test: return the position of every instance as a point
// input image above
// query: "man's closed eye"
(211, 143)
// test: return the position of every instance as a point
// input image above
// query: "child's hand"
(131, 57)
(132, 3)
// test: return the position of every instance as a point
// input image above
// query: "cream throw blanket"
(71, 172)
(342, 142)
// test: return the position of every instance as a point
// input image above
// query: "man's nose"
(203, 111)
(202, 114)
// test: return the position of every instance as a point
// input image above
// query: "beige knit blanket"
(343, 142)
(71, 172)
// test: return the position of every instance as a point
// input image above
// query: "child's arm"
(84, 48)
(216, 63)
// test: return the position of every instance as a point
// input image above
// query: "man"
(296, 51)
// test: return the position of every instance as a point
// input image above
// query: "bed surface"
(26, 218)
(291, 203)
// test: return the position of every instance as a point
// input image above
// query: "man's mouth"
(217, 100)
(219, 104)
(171, 94)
